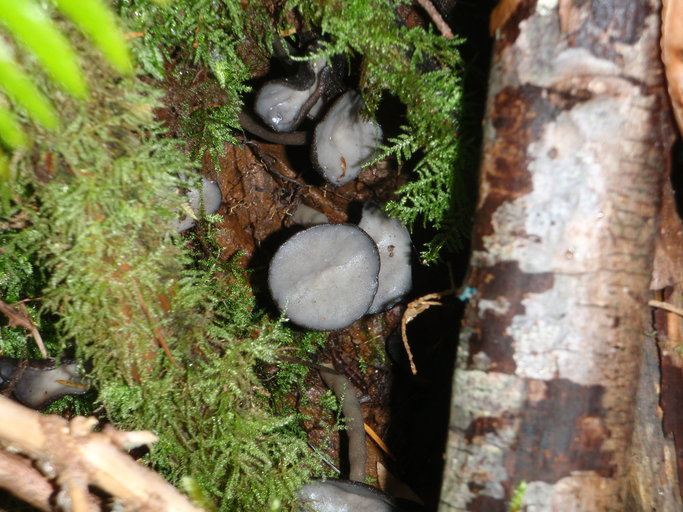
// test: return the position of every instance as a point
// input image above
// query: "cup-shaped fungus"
(283, 104)
(325, 277)
(344, 141)
(210, 199)
(394, 245)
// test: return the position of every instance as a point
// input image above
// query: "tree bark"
(574, 151)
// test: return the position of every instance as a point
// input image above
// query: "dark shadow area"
(420, 404)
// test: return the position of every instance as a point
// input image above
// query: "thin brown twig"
(17, 316)
(666, 307)
(415, 309)
(378, 440)
(436, 17)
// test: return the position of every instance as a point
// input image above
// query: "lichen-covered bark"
(548, 360)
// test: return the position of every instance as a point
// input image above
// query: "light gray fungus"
(283, 104)
(211, 198)
(307, 216)
(394, 246)
(343, 496)
(344, 141)
(37, 383)
(325, 277)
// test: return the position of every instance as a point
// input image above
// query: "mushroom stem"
(250, 124)
(322, 83)
(346, 393)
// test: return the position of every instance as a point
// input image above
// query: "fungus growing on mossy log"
(325, 277)
(37, 383)
(336, 495)
(343, 142)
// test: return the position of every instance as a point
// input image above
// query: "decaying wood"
(653, 473)
(668, 327)
(672, 54)
(77, 457)
(668, 264)
(573, 158)
(18, 476)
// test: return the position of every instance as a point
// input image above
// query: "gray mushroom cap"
(279, 102)
(37, 383)
(210, 198)
(343, 142)
(343, 496)
(394, 246)
(325, 277)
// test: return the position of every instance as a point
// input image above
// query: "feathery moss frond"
(423, 70)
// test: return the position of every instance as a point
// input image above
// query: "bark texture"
(574, 151)
(653, 473)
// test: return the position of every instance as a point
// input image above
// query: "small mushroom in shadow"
(284, 103)
(343, 495)
(209, 199)
(38, 382)
(349, 495)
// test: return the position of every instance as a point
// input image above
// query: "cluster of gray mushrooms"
(329, 275)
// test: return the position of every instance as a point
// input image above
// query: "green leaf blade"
(10, 130)
(22, 91)
(31, 26)
(96, 21)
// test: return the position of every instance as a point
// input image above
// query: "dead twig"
(18, 317)
(82, 458)
(436, 17)
(666, 307)
(378, 440)
(416, 308)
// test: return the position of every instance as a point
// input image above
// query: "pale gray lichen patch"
(546, 7)
(500, 306)
(492, 395)
(537, 497)
(543, 334)
(560, 161)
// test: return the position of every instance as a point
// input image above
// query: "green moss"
(173, 339)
